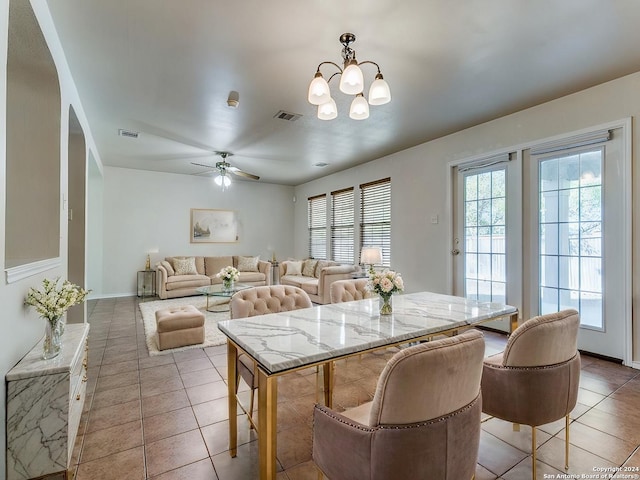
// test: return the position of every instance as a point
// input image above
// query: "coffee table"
(219, 291)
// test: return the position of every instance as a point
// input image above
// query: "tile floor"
(165, 417)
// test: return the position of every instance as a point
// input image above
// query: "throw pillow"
(320, 266)
(167, 266)
(248, 264)
(293, 267)
(185, 266)
(309, 268)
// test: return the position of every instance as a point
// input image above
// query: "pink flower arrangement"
(385, 283)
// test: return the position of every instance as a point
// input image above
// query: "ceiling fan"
(224, 168)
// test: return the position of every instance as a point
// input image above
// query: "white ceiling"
(165, 68)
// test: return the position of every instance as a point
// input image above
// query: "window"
(485, 235)
(342, 226)
(375, 217)
(317, 215)
(571, 190)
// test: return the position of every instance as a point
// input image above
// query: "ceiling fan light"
(319, 92)
(359, 108)
(379, 92)
(328, 110)
(222, 181)
(351, 80)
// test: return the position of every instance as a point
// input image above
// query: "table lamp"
(371, 256)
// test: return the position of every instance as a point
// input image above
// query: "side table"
(275, 272)
(45, 399)
(146, 283)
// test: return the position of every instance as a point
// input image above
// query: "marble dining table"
(280, 343)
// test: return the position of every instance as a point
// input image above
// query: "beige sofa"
(175, 282)
(314, 276)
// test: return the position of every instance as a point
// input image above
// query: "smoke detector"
(234, 99)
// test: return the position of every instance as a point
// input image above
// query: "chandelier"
(351, 83)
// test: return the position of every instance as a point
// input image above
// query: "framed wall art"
(213, 226)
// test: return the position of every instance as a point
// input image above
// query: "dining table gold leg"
(328, 374)
(267, 424)
(232, 357)
(513, 322)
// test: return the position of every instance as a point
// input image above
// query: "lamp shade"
(351, 80)
(328, 110)
(359, 108)
(379, 92)
(371, 255)
(319, 92)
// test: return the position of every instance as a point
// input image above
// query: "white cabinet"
(44, 406)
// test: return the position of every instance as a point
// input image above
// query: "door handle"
(456, 250)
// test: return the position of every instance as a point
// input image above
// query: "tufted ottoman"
(179, 326)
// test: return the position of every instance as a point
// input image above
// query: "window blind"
(375, 217)
(483, 163)
(566, 143)
(342, 226)
(317, 221)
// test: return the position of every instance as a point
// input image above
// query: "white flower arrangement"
(52, 301)
(385, 283)
(229, 274)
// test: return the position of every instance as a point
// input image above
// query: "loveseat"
(181, 276)
(314, 276)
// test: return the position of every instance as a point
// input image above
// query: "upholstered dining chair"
(260, 301)
(423, 422)
(348, 290)
(535, 380)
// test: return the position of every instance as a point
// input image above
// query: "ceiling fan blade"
(211, 170)
(208, 173)
(212, 167)
(237, 171)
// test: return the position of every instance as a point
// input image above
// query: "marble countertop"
(282, 341)
(32, 365)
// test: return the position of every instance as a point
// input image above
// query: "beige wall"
(420, 249)
(150, 211)
(33, 144)
(76, 219)
(22, 327)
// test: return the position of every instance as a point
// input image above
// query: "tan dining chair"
(261, 301)
(423, 422)
(349, 290)
(535, 380)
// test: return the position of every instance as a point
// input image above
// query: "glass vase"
(227, 285)
(52, 344)
(386, 307)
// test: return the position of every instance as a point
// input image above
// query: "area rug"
(212, 336)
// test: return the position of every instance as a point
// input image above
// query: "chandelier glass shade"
(359, 108)
(319, 92)
(328, 110)
(351, 83)
(352, 80)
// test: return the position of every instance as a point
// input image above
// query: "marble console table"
(44, 405)
(284, 342)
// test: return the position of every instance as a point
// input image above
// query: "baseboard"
(493, 330)
(601, 357)
(101, 296)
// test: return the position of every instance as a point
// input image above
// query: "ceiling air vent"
(127, 133)
(320, 164)
(288, 116)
